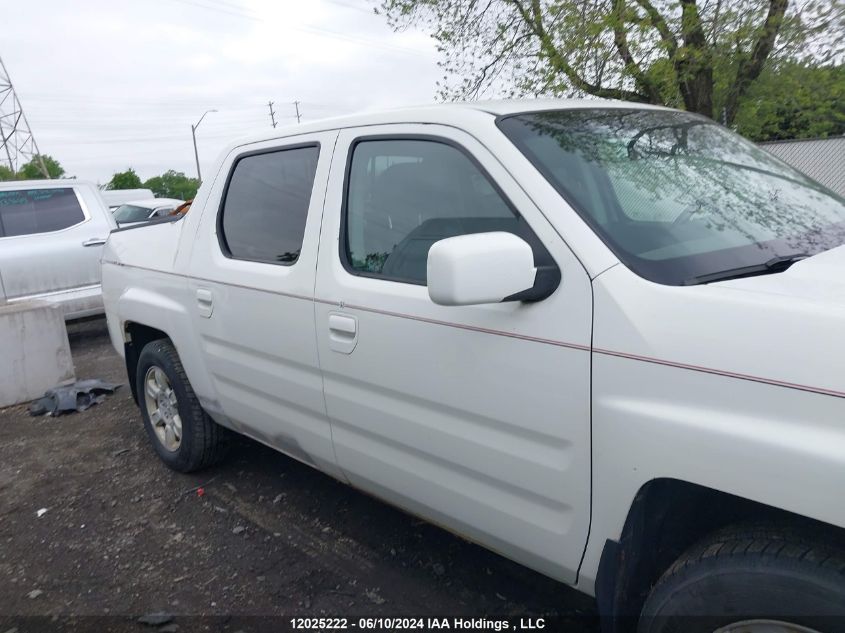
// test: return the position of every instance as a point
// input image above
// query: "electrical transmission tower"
(18, 144)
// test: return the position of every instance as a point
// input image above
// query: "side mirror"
(479, 268)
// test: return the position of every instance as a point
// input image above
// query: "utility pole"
(272, 114)
(16, 138)
(296, 105)
(194, 134)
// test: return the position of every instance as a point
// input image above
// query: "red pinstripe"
(534, 339)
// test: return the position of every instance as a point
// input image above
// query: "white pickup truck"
(604, 340)
(51, 237)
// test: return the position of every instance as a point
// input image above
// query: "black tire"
(751, 572)
(203, 442)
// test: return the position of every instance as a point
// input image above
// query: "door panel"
(255, 325)
(54, 261)
(474, 417)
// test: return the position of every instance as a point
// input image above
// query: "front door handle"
(343, 332)
(205, 302)
(94, 241)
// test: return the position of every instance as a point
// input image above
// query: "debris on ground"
(79, 396)
(198, 488)
(32, 595)
(374, 596)
(156, 619)
(41, 512)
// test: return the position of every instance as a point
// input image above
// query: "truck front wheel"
(183, 435)
(752, 579)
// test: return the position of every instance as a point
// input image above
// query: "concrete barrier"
(34, 351)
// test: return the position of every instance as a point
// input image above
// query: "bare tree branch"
(534, 18)
(659, 23)
(620, 39)
(693, 62)
(750, 68)
(691, 28)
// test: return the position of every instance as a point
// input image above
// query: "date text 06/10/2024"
(417, 624)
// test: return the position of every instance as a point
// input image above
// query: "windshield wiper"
(775, 265)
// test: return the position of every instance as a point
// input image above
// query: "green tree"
(701, 55)
(173, 184)
(794, 101)
(125, 180)
(32, 169)
(6, 173)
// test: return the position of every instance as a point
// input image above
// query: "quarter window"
(266, 205)
(404, 195)
(30, 211)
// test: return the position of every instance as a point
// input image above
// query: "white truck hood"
(783, 328)
(818, 278)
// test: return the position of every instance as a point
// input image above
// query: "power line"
(230, 135)
(350, 7)
(83, 104)
(310, 29)
(231, 5)
(18, 142)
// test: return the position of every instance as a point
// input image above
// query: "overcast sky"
(111, 84)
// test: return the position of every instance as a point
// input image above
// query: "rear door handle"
(94, 241)
(205, 302)
(343, 332)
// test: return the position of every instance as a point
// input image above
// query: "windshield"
(131, 213)
(677, 197)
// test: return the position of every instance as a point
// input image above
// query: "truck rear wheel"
(183, 435)
(752, 579)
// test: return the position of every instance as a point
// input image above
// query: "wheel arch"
(135, 337)
(666, 517)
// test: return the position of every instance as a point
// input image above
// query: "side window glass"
(29, 211)
(404, 195)
(266, 205)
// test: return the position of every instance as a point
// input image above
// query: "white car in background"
(116, 197)
(51, 236)
(138, 211)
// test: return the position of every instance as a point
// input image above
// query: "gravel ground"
(124, 536)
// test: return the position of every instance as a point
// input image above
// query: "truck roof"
(442, 113)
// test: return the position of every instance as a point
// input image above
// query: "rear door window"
(266, 205)
(30, 211)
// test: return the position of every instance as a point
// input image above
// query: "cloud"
(108, 85)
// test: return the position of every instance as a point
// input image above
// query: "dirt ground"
(125, 536)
